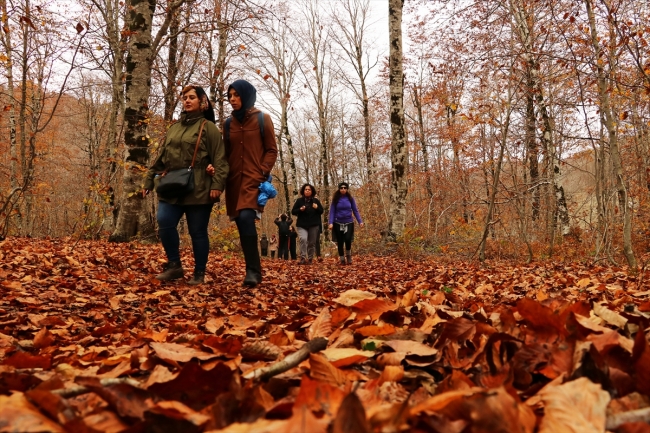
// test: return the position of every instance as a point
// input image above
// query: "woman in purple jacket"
(341, 223)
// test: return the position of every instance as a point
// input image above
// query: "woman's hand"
(215, 194)
(361, 225)
(302, 208)
(210, 170)
(315, 206)
(331, 226)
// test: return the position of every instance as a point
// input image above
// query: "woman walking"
(193, 142)
(273, 245)
(308, 209)
(251, 151)
(342, 209)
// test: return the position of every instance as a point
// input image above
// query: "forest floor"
(91, 342)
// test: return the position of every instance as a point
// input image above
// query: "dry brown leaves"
(90, 342)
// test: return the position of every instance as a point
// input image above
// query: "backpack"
(226, 126)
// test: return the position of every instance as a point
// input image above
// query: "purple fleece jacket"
(342, 211)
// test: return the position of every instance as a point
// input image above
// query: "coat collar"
(188, 119)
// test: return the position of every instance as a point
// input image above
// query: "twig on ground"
(79, 390)
(315, 345)
(639, 415)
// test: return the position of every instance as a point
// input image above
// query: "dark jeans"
(283, 247)
(198, 217)
(246, 222)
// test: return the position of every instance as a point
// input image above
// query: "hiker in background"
(318, 239)
(264, 245)
(308, 209)
(283, 222)
(195, 142)
(251, 151)
(293, 236)
(341, 220)
(273, 245)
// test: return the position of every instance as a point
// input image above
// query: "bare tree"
(351, 37)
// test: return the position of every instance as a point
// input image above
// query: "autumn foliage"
(90, 342)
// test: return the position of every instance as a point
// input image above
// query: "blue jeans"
(198, 217)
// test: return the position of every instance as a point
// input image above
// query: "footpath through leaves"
(91, 342)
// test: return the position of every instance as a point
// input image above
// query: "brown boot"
(348, 257)
(171, 271)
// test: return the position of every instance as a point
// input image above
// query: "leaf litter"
(91, 342)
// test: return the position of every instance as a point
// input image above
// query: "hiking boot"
(171, 271)
(348, 258)
(342, 260)
(302, 261)
(198, 278)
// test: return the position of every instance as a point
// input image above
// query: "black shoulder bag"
(177, 183)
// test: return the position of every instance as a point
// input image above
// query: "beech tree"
(141, 50)
(399, 188)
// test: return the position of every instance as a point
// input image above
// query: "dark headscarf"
(248, 96)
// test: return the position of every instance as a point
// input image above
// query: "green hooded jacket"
(177, 153)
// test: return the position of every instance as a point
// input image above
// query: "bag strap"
(198, 141)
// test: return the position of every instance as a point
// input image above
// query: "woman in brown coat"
(251, 154)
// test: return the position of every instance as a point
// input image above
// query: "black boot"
(198, 278)
(252, 258)
(171, 271)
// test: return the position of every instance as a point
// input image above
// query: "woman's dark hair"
(208, 112)
(302, 189)
(283, 217)
(337, 194)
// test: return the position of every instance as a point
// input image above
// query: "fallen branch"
(315, 345)
(639, 415)
(80, 389)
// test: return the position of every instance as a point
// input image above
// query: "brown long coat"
(249, 159)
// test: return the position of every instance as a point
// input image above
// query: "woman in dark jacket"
(177, 152)
(251, 155)
(308, 209)
(342, 209)
(283, 222)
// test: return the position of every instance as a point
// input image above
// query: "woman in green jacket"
(196, 205)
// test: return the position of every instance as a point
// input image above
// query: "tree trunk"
(172, 69)
(399, 188)
(218, 84)
(13, 143)
(130, 220)
(493, 193)
(609, 121)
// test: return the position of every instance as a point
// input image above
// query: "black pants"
(283, 247)
(343, 238)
